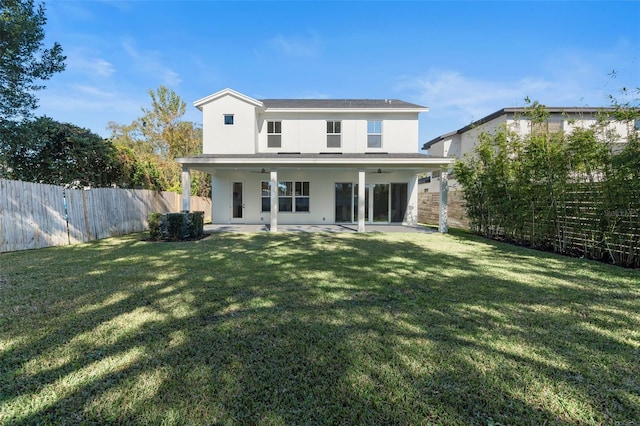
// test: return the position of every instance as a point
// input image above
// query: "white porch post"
(361, 198)
(274, 200)
(444, 198)
(186, 188)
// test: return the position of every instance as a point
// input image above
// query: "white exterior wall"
(321, 194)
(307, 132)
(459, 145)
(239, 138)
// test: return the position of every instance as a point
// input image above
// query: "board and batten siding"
(34, 215)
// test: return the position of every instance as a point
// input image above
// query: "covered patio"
(360, 171)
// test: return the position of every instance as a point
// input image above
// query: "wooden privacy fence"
(429, 209)
(34, 215)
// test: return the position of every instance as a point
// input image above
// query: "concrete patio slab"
(347, 228)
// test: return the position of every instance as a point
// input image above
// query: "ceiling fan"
(380, 171)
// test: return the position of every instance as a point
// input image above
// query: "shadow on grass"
(316, 328)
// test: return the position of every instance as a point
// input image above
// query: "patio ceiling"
(368, 162)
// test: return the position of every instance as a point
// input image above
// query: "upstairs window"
(546, 127)
(374, 134)
(228, 119)
(274, 134)
(333, 134)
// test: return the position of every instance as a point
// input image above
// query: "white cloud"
(296, 46)
(563, 78)
(150, 62)
(90, 106)
(449, 91)
(93, 66)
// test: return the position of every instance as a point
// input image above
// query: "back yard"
(316, 328)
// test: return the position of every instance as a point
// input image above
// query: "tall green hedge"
(574, 193)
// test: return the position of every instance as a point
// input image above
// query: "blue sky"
(462, 59)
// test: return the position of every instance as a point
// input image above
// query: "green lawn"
(316, 329)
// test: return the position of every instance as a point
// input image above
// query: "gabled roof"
(316, 104)
(515, 110)
(226, 92)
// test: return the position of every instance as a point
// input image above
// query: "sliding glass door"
(344, 202)
(357, 201)
(399, 202)
(387, 202)
(381, 202)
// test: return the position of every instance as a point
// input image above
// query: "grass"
(316, 329)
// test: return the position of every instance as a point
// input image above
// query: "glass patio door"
(237, 202)
(398, 201)
(344, 202)
(357, 201)
(381, 202)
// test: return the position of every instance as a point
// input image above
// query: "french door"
(237, 202)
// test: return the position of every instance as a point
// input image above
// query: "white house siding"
(457, 145)
(307, 132)
(239, 138)
(321, 194)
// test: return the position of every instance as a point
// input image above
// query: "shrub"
(176, 226)
(154, 226)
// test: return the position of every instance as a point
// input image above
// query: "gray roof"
(517, 110)
(339, 104)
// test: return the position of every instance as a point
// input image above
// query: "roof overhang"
(275, 161)
(227, 92)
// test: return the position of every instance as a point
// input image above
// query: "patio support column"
(186, 188)
(444, 201)
(274, 200)
(361, 198)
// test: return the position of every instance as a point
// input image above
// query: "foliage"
(24, 61)
(154, 226)
(549, 188)
(160, 136)
(176, 226)
(257, 329)
(138, 173)
(46, 151)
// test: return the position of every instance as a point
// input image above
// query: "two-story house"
(463, 141)
(311, 161)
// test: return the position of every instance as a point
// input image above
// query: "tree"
(160, 136)
(24, 61)
(163, 128)
(47, 151)
(136, 172)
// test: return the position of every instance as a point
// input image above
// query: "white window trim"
(334, 133)
(274, 133)
(375, 134)
(293, 196)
